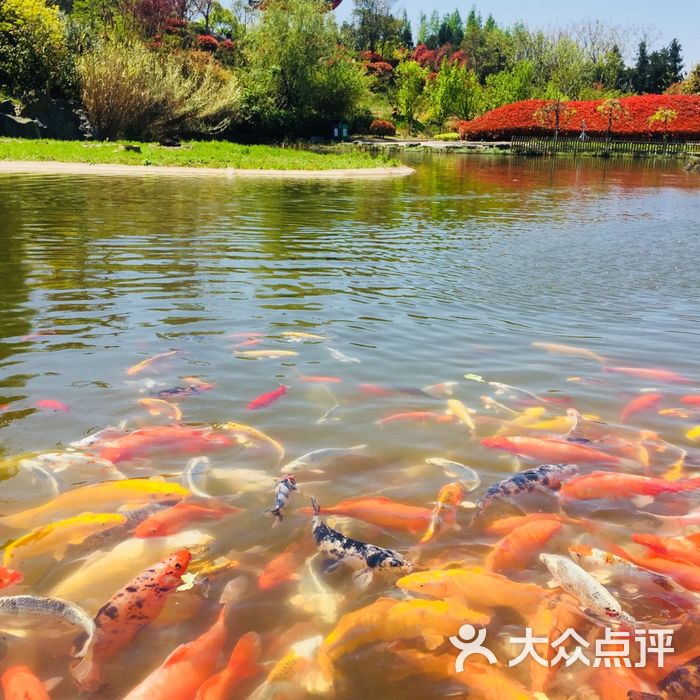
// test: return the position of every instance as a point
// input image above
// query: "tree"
(455, 92)
(374, 25)
(664, 116)
(692, 82)
(613, 111)
(640, 78)
(32, 46)
(553, 114)
(675, 62)
(610, 69)
(410, 80)
(406, 33)
(509, 86)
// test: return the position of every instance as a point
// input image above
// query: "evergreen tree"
(406, 33)
(640, 78)
(675, 62)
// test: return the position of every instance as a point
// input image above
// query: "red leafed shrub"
(459, 56)
(174, 25)
(226, 45)
(206, 42)
(631, 121)
(381, 69)
(382, 127)
(425, 57)
(370, 57)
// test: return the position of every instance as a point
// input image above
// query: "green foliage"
(455, 92)
(131, 92)
(375, 28)
(297, 78)
(33, 53)
(509, 86)
(410, 80)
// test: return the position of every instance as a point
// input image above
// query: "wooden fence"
(538, 146)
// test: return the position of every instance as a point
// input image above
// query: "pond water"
(416, 281)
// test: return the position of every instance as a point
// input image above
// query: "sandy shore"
(56, 168)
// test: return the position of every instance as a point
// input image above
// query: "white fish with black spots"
(283, 491)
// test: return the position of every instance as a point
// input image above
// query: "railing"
(601, 147)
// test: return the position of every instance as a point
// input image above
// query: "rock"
(170, 142)
(8, 107)
(132, 148)
(62, 119)
(21, 128)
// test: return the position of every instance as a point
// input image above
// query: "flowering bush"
(206, 42)
(382, 127)
(519, 119)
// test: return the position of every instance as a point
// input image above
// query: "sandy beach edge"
(42, 167)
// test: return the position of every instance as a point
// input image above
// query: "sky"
(664, 20)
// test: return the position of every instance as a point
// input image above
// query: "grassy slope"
(211, 154)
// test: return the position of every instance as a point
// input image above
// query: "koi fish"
(283, 568)
(462, 412)
(110, 431)
(380, 511)
(645, 402)
(267, 399)
(571, 350)
(316, 597)
(693, 433)
(186, 669)
(108, 495)
(176, 438)
(195, 386)
(620, 485)
(476, 588)
(158, 407)
(19, 683)
(367, 558)
(24, 606)
(242, 666)
(178, 517)
(439, 390)
(283, 491)
(58, 536)
(77, 463)
(244, 434)
(341, 356)
(683, 549)
(311, 379)
(505, 526)
(52, 405)
(550, 450)
(590, 593)
(546, 478)
(468, 478)
(660, 375)
(687, 575)
(692, 400)
(8, 577)
(516, 549)
(145, 364)
(321, 458)
(445, 512)
(623, 569)
(265, 354)
(418, 416)
(682, 682)
(128, 611)
(676, 524)
(299, 336)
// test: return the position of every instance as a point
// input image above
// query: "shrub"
(382, 127)
(449, 136)
(130, 92)
(206, 42)
(33, 53)
(518, 119)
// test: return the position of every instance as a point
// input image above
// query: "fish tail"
(315, 506)
(275, 513)
(429, 534)
(87, 674)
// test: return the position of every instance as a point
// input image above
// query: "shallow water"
(458, 269)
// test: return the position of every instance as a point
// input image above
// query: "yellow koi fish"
(145, 364)
(56, 537)
(571, 350)
(265, 354)
(462, 412)
(298, 336)
(247, 433)
(159, 407)
(108, 495)
(693, 433)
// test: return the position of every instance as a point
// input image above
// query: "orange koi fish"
(660, 375)
(418, 416)
(683, 549)
(159, 407)
(618, 485)
(692, 400)
(8, 577)
(52, 405)
(515, 550)
(176, 438)
(505, 526)
(187, 668)
(549, 450)
(127, 613)
(241, 667)
(445, 512)
(264, 400)
(284, 567)
(686, 575)
(179, 516)
(646, 402)
(145, 364)
(380, 511)
(19, 683)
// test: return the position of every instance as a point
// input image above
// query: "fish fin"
(552, 583)
(330, 565)
(642, 501)
(362, 579)
(432, 640)
(467, 505)
(51, 683)
(315, 506)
